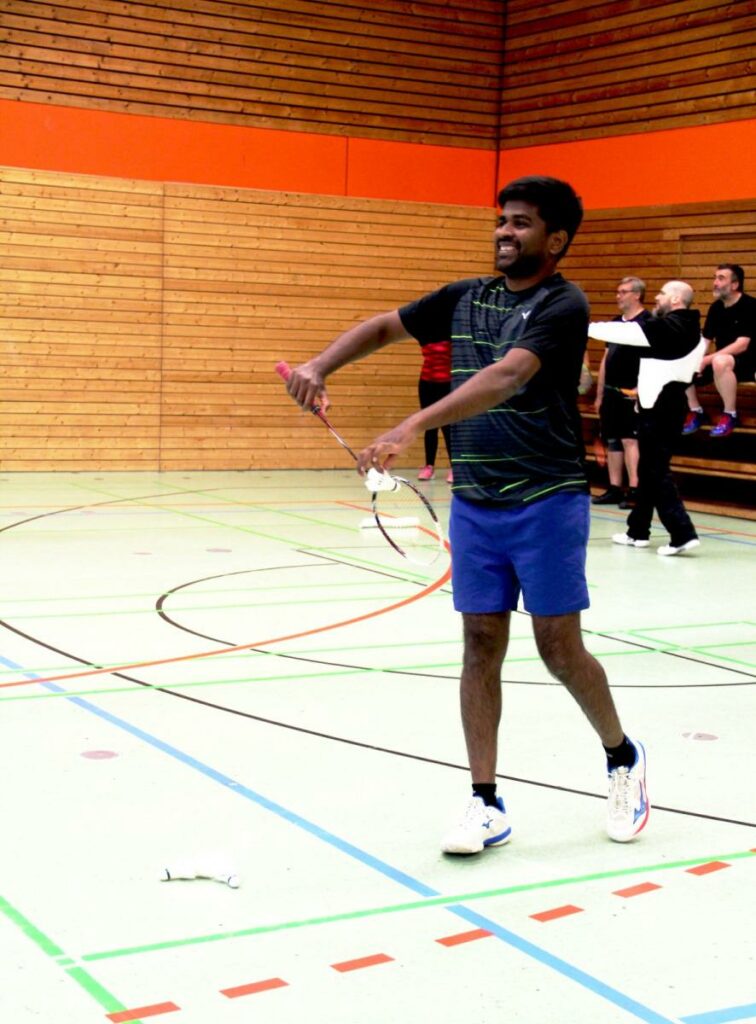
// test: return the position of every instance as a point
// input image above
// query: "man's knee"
(485, 635)
(559, 642)
(722, 363)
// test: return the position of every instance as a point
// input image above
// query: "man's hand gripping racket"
(405, 517)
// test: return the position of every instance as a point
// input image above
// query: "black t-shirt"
(623, 361)
(726, 323)
(672, 336)
(531, 445)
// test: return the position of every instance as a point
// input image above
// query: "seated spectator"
(731, 326)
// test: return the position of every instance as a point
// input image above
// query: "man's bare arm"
(306, 385)
(484, 390)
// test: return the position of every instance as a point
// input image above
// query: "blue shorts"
(539, 549)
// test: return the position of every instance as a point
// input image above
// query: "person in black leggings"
(435, 384)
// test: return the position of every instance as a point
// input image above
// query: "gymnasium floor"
(219, 673)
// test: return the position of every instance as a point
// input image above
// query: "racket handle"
(284, 372)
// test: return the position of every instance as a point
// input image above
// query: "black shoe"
(630, 498)
(611, 496)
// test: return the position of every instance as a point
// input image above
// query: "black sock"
(486, 791)
(622, 756)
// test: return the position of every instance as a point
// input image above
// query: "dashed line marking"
(637, 890)
(706, 869)
(456, 940)
(142, 1011)
(364, 961)
(449, 941)
(552, 915)
(253, 987)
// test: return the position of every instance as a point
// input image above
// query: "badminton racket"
(402, 514)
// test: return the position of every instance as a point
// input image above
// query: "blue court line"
(730, 1013)
(594, 985)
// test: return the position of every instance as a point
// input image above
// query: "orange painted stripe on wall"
(421, 173)
(684, 165)
(56, 138)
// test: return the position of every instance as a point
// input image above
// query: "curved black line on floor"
(93, 504)
(312, 732)
(160, 608)
(359, 743)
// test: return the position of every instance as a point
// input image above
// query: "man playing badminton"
(520, 506)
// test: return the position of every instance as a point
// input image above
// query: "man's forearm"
(619, 333)
(486, 389)
(359, 341)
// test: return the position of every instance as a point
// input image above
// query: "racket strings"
(408, 523)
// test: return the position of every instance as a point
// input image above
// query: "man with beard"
(670, 348)
(520, 502)
(731, 326)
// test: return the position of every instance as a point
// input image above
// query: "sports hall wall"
(191, 190)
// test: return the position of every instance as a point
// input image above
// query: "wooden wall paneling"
(81, 322)
(573, 71)
(419, 72)
(141, 323)
(253, 277)
(659, 244)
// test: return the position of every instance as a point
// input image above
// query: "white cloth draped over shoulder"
(654, 374)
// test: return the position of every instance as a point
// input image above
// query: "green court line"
(410, 575)
(207, 607)
(341, 651)
(264, 507)
(212, 590)
(723, 657)
(153, 687)
(642, 630)
(283, 677)
(433, 901)
(44, 942)
(50, 948)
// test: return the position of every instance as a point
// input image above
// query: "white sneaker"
(479, 826)
(631, 542)
(628, 807)
(668, 549)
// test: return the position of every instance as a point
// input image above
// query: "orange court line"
(130, 666)
(255, 986)
(552, 915)
(706, 869)
(456, 940)
(637, 890)
(143, 1011)
(365, 961)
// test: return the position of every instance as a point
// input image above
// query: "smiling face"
(525, 250)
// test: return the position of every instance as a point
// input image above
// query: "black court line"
(312, 732)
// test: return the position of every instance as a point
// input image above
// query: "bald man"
(671, 349)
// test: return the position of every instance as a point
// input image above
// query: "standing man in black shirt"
(670, 347)
(520, 504)
(731, 326)
(616, 391)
